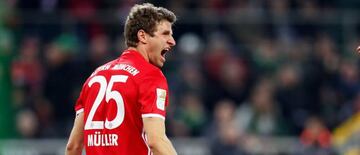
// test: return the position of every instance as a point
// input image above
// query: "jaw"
(158, 64)
(157, 61)
(158, 57)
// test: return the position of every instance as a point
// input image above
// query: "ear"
(141, 34)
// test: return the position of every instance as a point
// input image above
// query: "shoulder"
(152, 79)
(153, 73)
(104, 67)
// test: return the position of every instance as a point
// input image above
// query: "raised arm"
(156, 138)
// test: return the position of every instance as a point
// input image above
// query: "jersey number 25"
(107, 92)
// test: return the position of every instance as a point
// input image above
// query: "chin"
(159, 65)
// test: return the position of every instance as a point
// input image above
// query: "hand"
(358, 49)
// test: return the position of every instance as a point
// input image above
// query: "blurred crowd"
(241, 70)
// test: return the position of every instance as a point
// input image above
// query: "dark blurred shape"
(292, 97)
(222, 133)
(27, 70)
(191, 114)
(61, 80)
(260, 115)
(27, 124)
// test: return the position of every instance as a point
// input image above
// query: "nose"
(172, 41)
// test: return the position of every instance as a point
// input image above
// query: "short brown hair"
(144, 17)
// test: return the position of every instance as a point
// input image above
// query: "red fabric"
(323, 139)
(140, 96)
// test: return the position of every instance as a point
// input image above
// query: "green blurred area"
(6, 110)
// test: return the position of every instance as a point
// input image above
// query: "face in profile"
(160, 44)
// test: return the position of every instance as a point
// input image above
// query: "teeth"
(163, 53)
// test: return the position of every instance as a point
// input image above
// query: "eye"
(166, 33)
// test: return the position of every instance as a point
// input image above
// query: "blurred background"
(247, 77)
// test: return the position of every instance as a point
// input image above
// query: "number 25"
(107, 92)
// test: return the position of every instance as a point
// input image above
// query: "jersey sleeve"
(79, 105)
(153, 95)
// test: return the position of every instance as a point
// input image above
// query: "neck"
(142, 52)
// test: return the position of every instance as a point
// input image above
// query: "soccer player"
(121, 108)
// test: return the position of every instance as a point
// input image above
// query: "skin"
(151, 48)
(358, 49)
(157, 140)
(75, 142)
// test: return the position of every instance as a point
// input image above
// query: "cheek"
(155, 45)
(153, 55)
(157, 48)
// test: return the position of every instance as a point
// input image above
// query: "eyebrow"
(166, 32)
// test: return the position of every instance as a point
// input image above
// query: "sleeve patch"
(160, 98)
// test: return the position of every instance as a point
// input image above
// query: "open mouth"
(163, 52)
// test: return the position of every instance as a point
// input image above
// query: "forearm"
(163, 147)
(75, 142)
(73, 151)
(156, 137)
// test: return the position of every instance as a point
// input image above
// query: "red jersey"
(115, 98)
